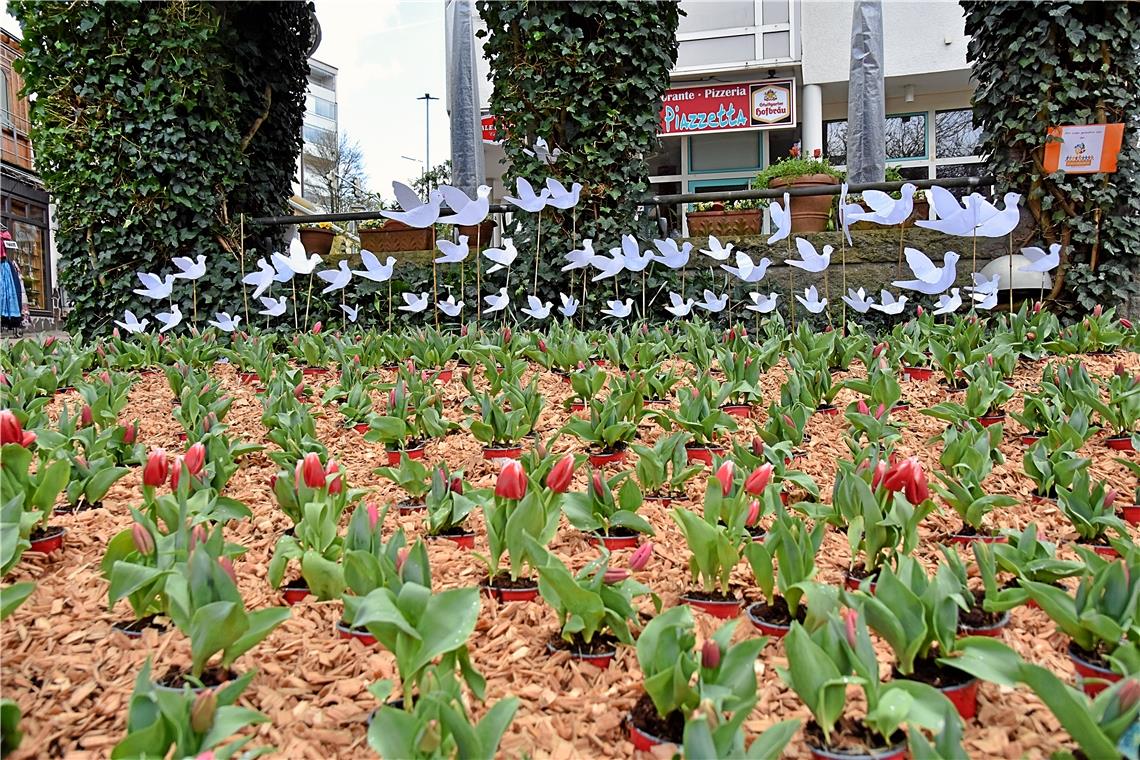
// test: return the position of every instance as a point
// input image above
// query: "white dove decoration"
(580, 258)
(635, 259)
(527, 200)
(560, 197)
(423, 215)
(713, 303)
(453, 253)
(414, 304)
(948, 303)
(679, 307)
(857, 300)
(569, 305)
(225, 322)
(337, 278)
(985, 300)
(406, 196)
(810, 300)
(846, 210)
(274, 307)
(716, 250)
(945, 204)
(885, 209)
(1000, 223)
(503, 257)
(373, 269)
(189, 268)
(497, 302)
(169, 319)
(543, 152)
(131, 323)
(153, 287)
(747, 271)
(450, 307)
(888, 304)
(297, 261)
(781, 218)
(261, 279)
(670, 255)
(608, 266)
(536, 308)
(931, 279)
(983, 286)
(618, 309)
(1039, 261)
(762, 304)
(465, 211)
(810, 260)
(350, 311)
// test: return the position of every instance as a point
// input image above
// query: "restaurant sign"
(720, 107)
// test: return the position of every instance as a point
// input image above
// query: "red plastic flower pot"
(577, 406)
(827, 409)
(964, 696)
(182, 436)
(991, 419)
(775, 630)
(1120, 443)
(295, 592)
(395, 456)
(992, 631)
(901, 406)
(918, 373)
(661, 501)
(362, 427)
(445, 375)
(462, 540)
(613, 543)
(853, 583)
(408, 507)
(724, 609)
(506, 452)
(314, 371)
(643, 740)
(247, 378)
(738, 410)
(1043, 500)
(1130, 514)
(703, 454)
(967, 539)
(1028, 439)
(360, 634)
(1106, 551)
(602, 660)
(50, 541)
(1093, 678)
(897, 752)
(503, 594)
(606, 458)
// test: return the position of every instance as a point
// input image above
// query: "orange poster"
(1083, 148)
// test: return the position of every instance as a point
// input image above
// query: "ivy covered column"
(588, 77)
(1040, 64)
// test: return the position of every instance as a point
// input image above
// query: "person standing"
(13, 303)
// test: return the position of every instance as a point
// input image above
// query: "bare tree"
(335, 176)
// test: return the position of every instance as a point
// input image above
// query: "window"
(835, 141)
(317, 135)
(904, 135)
(324, 108)
(5, 101)
(726, 151)
(667, 160)
(955, 133)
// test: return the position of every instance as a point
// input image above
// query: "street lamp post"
(427, 98)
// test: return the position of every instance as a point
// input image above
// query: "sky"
(388, 52)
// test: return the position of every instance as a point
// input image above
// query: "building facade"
(754, 78)
(25, 208)
(320, 125)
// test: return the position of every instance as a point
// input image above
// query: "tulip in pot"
(503, 420)
(520, 512)
(413, 478)
(785, 560)
(607, 512)
(448, 503)
(1130, 513)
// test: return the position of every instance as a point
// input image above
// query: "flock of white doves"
(973, 217)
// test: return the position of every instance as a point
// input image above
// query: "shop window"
(727, 151)
(904, 135)
(29, 257)
(955, 134)
(780, 142)
(667, 160)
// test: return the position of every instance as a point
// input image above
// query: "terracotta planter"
(444, 375)
(1120, 443)
(853, 583)
(897, 752)
(1130, 514)
(317, 241)
(394, 457)
(722, 223)
(607, 458)
(479, 234)
(463, 540)
(1028, 439)
(613, 543)
(918, 373)
(991, 419)
(723, 609)
(775, 630)
(360, 634)
(992, 631)
(313, 371)
(396, 236)
(809, 212)
(506, 452)
(1036, 498)
(1105, 551)
(964, 697)
(1093, 678)
(601, 660)
(738, 410)
(703, 454)
(295, 592)
(134, 629)
(50, 540)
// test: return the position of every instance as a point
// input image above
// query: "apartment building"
(320, 129)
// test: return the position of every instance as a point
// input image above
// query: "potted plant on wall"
(809, 213)
(318, 238)
(724, 218)
(390, 236)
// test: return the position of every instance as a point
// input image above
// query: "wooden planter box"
(736, 223)
(810, 212)
(317, 241)
(397, 236)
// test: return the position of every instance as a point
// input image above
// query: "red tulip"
(130, 433)
(336, 482)
(596, 485)
(1129, 694)
(317, 328)
(757, 445)
(560, 475)
(49, 341)
(710, 654)
(919, 311)
(512, 481)
(456, 485)
(880, 411)
(310, 471)
(1110, 498)
(373, 514)
(850, 617)
(725, 475)
(156, 469)
(195, 458)
(877, 476)
(299, 391)
(144, 542)
(176, 473)
(542, 345)
(907, 476)
(12, 432)
(228, 565)
(1037, 308)
(1126, 323)
(753, 513)
(506, 335)
(640, 558)
(615, 575)
(878, 350)
(1118, 370)
(758, 480)
(86, 417)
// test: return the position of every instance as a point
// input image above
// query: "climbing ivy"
(588, 78)
(155, 126)
(1040, 64)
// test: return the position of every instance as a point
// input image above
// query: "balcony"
(15, 145)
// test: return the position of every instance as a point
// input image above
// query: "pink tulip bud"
(989, 360)
(506, 335)
(558, 480)
(753, 513)
(542, 345)
(880, 411)
(144, 542)
(1118, 370)
(456, 485)
(49, 341)
(919, 311)
(373, 514)
(710, 654)
(1110, 498)
(615, 575)
(130, 433)
(1037, 308)
(789, 421)
(198, 535)
(1129, 694)
(850, 617)
(228, 565)
(317, 328)
(115, 333)
(463, 331)
(861, 407)
(401, 558)
(299, 391)
(725, 475)
(195, 458)
(1097, 311)
(757, 445)
(640, 558)
(1031, 336)
(596, 484)
(86, 418)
